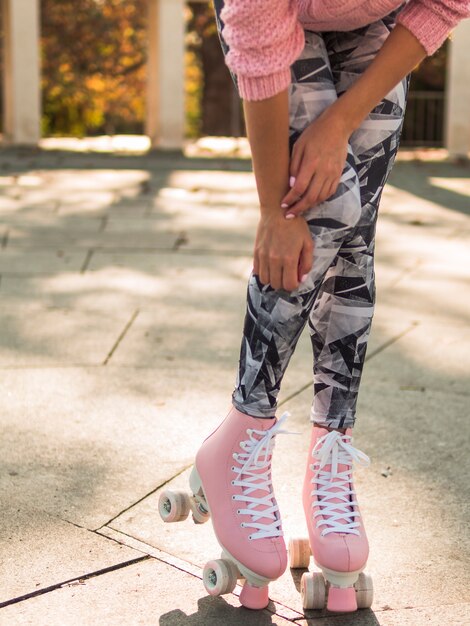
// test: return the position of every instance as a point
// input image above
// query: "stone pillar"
(458, 93)
(21, 81)
(165, 73)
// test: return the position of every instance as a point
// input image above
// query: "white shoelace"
(251, 480)
(333, 449)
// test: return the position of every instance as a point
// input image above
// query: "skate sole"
(339, 579)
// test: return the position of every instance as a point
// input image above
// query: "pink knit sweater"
(266, 36)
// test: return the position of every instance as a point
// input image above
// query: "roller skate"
(231, 483)
(337, 538)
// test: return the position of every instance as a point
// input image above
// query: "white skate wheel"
(299, 552)
(219, 577)
(200, 514)
(173, 506)
(364, 587)
(312, 590)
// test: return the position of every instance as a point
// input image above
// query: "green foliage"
(93, 57)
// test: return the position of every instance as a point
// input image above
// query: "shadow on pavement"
(213, 611)
(217, 612)
(436, 182)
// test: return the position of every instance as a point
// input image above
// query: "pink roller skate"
(337, 538)
(231, 483)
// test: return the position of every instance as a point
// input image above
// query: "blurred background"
(156, 68)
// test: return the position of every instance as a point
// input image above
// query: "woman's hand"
(317, 162)
(283, 251)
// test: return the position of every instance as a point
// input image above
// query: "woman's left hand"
(316, 164)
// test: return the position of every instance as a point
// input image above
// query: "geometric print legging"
(337, 299)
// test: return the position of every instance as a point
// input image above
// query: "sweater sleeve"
(264, 39)
(431, 21)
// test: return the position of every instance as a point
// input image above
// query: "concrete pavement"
(122, 286)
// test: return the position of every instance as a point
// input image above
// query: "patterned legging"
(337, 299)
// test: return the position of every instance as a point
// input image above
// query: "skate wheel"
(312, 590)
(219, 577)
(364, 591)
(200, 514)
(173, 506)
(252, 597)
(299, 552)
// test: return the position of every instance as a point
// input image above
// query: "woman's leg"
(275, 318)
(341, 317)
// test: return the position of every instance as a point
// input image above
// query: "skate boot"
(231, 483)
(337, 537)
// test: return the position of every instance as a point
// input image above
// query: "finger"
(304, 204)
(296, 193)
(296, 159)
(316, 193)
(275, 273)
(255, 263)
(334, 186)
(315, 188)
(306, 259)
(263, 271)
(302, 181)
(290, 279)
(325, 191)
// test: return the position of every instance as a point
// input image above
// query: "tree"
(93, 66)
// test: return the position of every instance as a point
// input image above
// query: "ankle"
(330, 428)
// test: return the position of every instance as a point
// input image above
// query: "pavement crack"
(181, 240)
(121, 336)
(144, 497)
(187, 567)
(74, 581)
(391, 341)
(407, 271)
(5, 238)
(86, 262)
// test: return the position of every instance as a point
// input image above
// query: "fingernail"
(292, 181)
(284, 205)
(290, 216)
(304, 278)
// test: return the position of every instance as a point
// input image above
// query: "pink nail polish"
(292, 181)
(304, 278)
(284, 206)
(290, 216)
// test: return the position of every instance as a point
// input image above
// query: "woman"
(324, 87)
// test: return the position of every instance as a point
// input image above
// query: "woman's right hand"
(283, 251)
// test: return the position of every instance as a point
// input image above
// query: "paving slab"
(184, 269)
(52, 261)
(40, 550)
(109, 289)
(32, 335)
(452, 614)
(93, 203)
(138, 594)
(427, 300)
(19, 236)
(231, 230)
(428, 357)
(86, 443)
